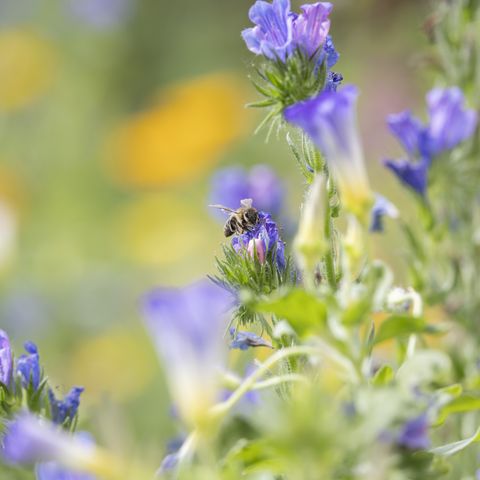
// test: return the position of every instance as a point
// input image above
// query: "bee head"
(252, 216)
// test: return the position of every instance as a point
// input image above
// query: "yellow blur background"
(113, 116)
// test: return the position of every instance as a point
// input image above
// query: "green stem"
(272, 382)
(222, 408)
(328, 231)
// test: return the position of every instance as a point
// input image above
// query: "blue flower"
(381, 207)
(310, 28)
(265, 230)
(279, 32)
(66, 409)
(187, 326)
(414, 175)
(232, 184)
(53, 471)
(273, 34)
(450, 124)
(30, 440)
(6, 359)
(329, 119)
(331, 53)
(244, 340)
(28, 367)
(414, 434)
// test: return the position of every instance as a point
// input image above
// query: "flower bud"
(310, 243)
(256, 248)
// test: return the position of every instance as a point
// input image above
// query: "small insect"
(240, 221)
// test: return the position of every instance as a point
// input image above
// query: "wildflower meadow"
(303, 351)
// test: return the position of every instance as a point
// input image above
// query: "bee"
(240, 221)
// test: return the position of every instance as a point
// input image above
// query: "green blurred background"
(113, 116)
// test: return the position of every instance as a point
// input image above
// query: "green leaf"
(402, 325)
(301, 309)
(383, 376)
(455, 447)
(355, 312)
(463, 404)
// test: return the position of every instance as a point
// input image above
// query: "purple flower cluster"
(66, 409)
(230, 185)
(265, 238)
(450, 124)
(279, 32)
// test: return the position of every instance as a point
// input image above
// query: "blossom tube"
(187, 326)
(329, 119)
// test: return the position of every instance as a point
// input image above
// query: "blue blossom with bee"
(263, 237)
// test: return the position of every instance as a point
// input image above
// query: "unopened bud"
(310, 243)
(256, 247)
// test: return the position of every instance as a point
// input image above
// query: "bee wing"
(221, 207)
(246, 202)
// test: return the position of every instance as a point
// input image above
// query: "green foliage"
(240, 272)
(283, 84)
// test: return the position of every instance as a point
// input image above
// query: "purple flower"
(244, 340)
(30, 440)
(273, 34)
(310, 28)
(100, 13)
(414, 175)
(53, 471)
(265, 230)
(450, 124)
(409, 132)
(232, 184)
(329, 119)
(414, 434)
(6, 359)
(66, 409)
(279, 31)
(187, 326)
(381, 207)
(28, 367)
(330, 52)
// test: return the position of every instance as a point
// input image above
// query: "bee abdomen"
(231, 227)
